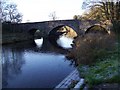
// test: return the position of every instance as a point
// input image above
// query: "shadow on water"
(21, 61)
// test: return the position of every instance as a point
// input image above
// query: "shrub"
(92, 46)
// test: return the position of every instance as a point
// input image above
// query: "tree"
(104, 10)
(111, 10)
(1, 9)
(9, 13)
(53, 15)
(77, 17)
(95, 14)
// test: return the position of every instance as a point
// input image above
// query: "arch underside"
(61, 30)
(32, 31)
(35, 33)
(96, 29)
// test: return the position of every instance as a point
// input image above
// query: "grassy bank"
(105, 70)
(97, 58)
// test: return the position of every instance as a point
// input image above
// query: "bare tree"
(9, 13)
(53, 15)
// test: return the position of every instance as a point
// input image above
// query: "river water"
(34, 64)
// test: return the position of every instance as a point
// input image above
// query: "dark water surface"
(26, 65)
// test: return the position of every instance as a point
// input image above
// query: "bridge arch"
(32, 31)
(96, 29)
(61, 30)
(35, 33)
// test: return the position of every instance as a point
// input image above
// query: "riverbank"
(105, 72)
(102, 67)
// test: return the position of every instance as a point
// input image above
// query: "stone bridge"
(45, 27)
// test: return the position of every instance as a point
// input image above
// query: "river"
(34, 64)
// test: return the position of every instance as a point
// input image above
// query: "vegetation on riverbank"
(97, 57)
(105, 70)
(99, 66)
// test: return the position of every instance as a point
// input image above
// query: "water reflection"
(27, 66)
(39, 42)
(12, 61)
(48, 47)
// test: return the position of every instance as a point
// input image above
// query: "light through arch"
(37, 36)
(62, 36)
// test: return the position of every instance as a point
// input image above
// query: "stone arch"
(56, 32)
(96, 29)
(33, 31)
(63, 29)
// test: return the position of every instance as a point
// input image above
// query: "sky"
(39, 10)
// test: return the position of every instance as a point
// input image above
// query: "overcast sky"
(39, 10)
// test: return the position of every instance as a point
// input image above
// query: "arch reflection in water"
(39, 42)
(65, 42)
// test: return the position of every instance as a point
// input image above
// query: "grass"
(105, 70)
